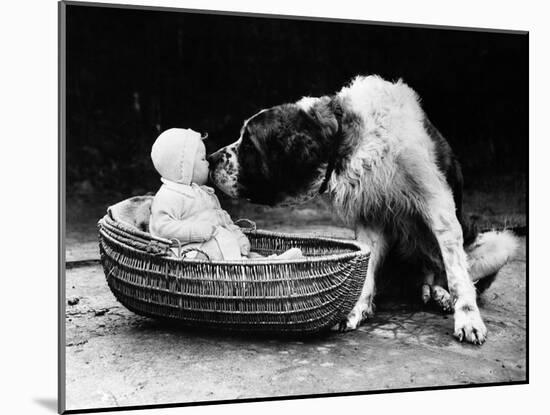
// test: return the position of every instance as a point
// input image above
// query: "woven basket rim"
(132, 233)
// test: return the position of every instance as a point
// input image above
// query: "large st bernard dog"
(390, 175)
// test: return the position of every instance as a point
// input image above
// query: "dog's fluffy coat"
(389, 173)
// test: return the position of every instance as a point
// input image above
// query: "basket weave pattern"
(301, 295)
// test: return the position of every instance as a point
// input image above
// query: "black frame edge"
(61, 300)
(292, 17)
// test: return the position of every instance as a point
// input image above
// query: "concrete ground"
(116, 358)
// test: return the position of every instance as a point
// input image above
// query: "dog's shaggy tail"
(489, 252)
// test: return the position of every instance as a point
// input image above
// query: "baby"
(186, 209)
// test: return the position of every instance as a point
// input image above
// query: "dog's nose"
(214, 158)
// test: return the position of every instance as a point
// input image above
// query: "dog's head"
(281, 155)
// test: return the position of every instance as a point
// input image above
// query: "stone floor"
(116, 358)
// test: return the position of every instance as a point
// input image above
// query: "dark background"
(134, 73)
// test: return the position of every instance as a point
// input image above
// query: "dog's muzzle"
(224, 171)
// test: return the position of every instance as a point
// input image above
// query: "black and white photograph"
(270, 207)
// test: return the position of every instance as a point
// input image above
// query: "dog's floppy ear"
(257, 142)
(303, 147)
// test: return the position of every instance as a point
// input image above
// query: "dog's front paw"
(360, 313)
(468, 325)
(351, 322)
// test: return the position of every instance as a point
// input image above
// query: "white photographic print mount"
(111, 122)
(32, 388)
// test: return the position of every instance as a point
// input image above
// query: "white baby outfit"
(184, 210)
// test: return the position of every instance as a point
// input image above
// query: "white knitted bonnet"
(173, 154)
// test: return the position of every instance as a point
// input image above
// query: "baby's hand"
(225, 219)
(245, 246)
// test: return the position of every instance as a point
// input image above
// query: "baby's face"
(200, 168)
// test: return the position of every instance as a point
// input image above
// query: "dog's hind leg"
(377, 243)
(427, 286)
(433, 289)
(440, 295)
(448, 232)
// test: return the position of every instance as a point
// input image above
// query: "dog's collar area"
(338, 112)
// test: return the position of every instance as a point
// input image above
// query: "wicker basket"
(294, 296)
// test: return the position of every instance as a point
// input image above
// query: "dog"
(389, 174)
